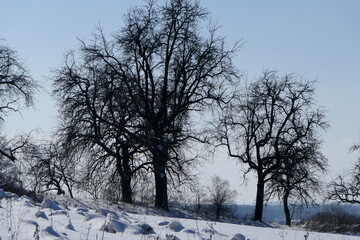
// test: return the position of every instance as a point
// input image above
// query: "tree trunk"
(69, 188)
(259, 198)
(218, 211)
(159, 161)
(126, 191)
(286, 208)
(123, 168)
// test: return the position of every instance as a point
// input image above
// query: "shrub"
(10, 177)
(334, 219)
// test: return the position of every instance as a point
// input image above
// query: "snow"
(2, 194)
(48, 203)
(21, 218)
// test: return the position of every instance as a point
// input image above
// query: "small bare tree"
(220, 195)
(299, 178)
(200, 196)
(49, 167)
(346, 188)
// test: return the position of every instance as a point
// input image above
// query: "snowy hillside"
(21, 218)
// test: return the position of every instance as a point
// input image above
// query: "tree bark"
(218, 210)
(126, 191)
(286, 208)
(161, 198)
(259, 198)
(69, 189)
(123, 168)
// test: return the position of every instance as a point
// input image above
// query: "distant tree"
(192, 195)
(9, 172)
(346, 188)
(220, 195)
(169, 67)
(200, 196)
(270, 126)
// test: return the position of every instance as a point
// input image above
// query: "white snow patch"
(12, 195)
(58, 212)
(113, 222)
(82, 211)
(2, 194)
(70, 227)
(50, 232)
(176, 226)
(92, 216)
(114, 226)
(31, 222)
(142, 229)
(238, 236)
(48, 203)
(41, 214)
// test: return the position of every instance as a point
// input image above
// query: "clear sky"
(319, 40)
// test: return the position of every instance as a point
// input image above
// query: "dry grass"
(334, 219)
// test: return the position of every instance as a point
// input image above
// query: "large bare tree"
(98, 117)
(270, 126)
(170, 66)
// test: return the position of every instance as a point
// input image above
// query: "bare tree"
(346, 188)
(49, 167)
(169, 67)
(94, 182)
(12, 163)
(220, 195)
(16, 87)
(264, 126)
(98, 118)
(15, 83)
(198, 197)
(9, 172)
(298, 179)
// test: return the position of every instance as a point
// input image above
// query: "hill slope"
(21, 218)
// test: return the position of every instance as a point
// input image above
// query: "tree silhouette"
(169, 67)
(273, 124)
(16, 88)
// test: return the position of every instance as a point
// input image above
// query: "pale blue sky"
(316, 39)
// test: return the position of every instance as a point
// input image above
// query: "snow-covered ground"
(21, 218)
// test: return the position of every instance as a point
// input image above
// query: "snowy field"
(21, 218)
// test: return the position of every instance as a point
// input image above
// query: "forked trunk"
(124, 171)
